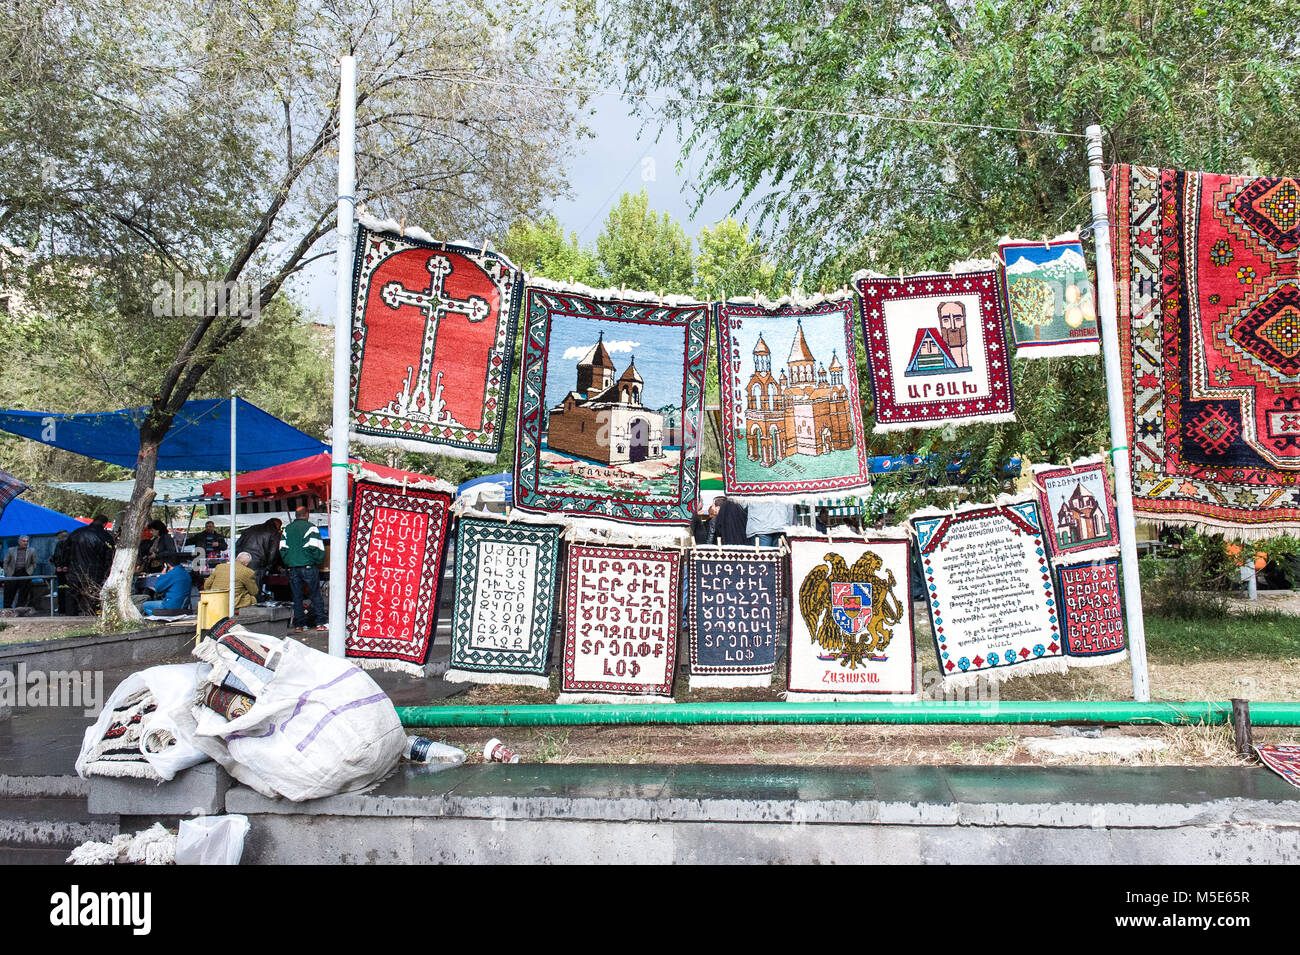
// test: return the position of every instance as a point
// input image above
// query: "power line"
(705, 101)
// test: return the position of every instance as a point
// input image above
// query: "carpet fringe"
(392, 666)
(1057, 350)
(454, 675)
(567, 698)
(718, 681)
(421, 447)
(879, 428)
(961, 681)
(133, 770)
(795, 696)
(1099, 661)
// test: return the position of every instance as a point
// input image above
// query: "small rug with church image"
(937, 347)
(735, 615)
(506, 579)
(789, 395)
(1209, 334)
(993, 607)
(395, 554)
(1283, 759)
(1077, 507)
(851, 633)
(610, 402)
(1049, 297)
(433, 341)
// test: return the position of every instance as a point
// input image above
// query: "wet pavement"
(45, 740)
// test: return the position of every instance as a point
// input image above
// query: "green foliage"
(540, 247)
(955, 140)
(731, 260)
(644, 250)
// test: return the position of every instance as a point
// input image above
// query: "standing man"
(303, 551)
(60, 560)
(90, 554)
(20, 563)
(209, 539)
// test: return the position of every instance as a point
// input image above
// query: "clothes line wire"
(706, 101)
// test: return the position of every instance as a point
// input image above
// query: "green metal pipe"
(927, 711)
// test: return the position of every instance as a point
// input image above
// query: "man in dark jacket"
(209, 539)
(90, 554)
(60, 561)
(262, 543)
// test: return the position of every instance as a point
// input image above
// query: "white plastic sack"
(211, 840)
(320, 725)
(171, 686)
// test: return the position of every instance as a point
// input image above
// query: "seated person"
(172, 589)
(245, 580)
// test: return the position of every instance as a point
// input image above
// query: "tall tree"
(643, 249)
(731, 260)
(166, 139)
(907, 134)
(541, 247)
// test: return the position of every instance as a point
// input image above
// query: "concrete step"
(51, 824)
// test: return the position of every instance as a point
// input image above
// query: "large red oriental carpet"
(1209, 324)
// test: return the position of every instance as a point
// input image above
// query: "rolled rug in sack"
(318, 726)
(137, 734)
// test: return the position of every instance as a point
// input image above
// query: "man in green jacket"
(303, 552)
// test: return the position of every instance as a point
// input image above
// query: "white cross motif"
(421, 400)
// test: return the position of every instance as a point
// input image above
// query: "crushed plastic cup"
(495, 751)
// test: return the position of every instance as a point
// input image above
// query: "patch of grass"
(552, 746)
(1001, 746)
(1256, 633)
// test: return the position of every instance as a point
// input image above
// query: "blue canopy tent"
(23, 517)
(199, 439)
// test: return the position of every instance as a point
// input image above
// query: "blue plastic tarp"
(505, 480)
(23, 517)
(199, 439)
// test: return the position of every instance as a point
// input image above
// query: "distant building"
(604, 420)
(805, 411)
(1080, 518)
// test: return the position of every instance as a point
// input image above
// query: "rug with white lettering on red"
(851, 634)
(395, 554)
(1092, 613)
(620, 628)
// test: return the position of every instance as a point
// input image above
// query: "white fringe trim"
(393, 227)
(879, 428)
(1077, 463)
(424, 447)
(1216, 525)
(1057, 349)
(454, 675)
(392, 666)
(511, 516)
(1063, 237)
(364, 473)
(1093, 556)
(800, 497)
(796, 299)
(798, 696)
(610, 534)
(1003, 500)
(718, 681)
(960, 681)
(840, 533)
(956, 268)
(613, 294)
(566, 698)
(135, 770)
(1098, 661)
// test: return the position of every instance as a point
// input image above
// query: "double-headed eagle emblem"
(850, 610)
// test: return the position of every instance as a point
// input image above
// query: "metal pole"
(1120, 457)
(234, 511)
(342, 356)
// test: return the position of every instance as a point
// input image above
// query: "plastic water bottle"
(421, 750)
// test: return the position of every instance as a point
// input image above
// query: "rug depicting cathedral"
(1209, 327)
(792, 426)
(610, 398)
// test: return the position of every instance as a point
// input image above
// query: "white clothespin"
(509, 515)
(404, 479)
(1047, 244)
(402, 229)
(483, 251)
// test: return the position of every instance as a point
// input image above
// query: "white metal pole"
(342, 356)
(1120, 457)
(234, 510)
